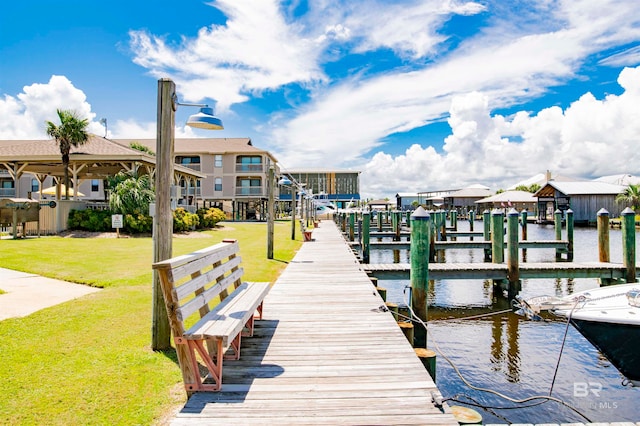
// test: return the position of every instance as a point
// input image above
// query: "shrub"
(184, 221)
(90, 220)
(210, 217)
(138, 223)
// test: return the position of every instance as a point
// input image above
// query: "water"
(512, 355)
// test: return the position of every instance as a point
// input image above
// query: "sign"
(116, 221)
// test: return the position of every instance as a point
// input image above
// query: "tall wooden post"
(379, 219)
(270, 218)
(366, 223)
(454, 220)
(570, 234)
(352, 224)
(294, 199)
(497, 236)
(419, 275)
(472, 218)
(163, 218)
(486, 231)
(557, 224)
(603, 236)
(629, 244)
(432, 237)
(513, 268)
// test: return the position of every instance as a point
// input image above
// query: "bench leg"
(250, 323)
(235, 345)
(214, 367)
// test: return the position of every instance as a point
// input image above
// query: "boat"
(608, 317)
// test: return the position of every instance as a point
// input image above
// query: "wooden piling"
(497, 236)
(454, 220)
(486, 223)
(629, 244)
(366, 247)
(603, 236)
(419, 274)
(352, 224)
(557, 224)
(472, 218)
(393, 308)
(428, 359)
(382, 292)
(408, 330)
(569, 219)
(513, 268)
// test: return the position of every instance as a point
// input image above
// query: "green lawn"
(88, 361)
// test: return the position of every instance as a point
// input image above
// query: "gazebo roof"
(98, 158)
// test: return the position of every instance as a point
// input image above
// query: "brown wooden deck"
(324, 354)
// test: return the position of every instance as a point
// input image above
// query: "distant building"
(340, 187)
(466, 198)
(584, 198)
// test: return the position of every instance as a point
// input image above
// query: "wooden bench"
(191, 286)
(306, 232)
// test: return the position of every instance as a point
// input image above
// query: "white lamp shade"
(205, 120)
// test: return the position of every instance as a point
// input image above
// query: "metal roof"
(580, 188)
(510, 196)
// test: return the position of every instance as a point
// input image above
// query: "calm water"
(515, 356)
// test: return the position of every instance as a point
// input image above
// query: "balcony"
(192, 166)
(249, 168)
(252, 191)
(7, 192)
(191, 191)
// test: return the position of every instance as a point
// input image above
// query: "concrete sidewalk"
(27, 293)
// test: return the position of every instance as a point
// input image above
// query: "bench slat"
(205, 297)
(228, 318)
(212, 275)
(201, 259)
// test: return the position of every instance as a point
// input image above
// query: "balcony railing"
(192, 166)
(249, 191)
(191, 191)
(249, 168)
(7, 192)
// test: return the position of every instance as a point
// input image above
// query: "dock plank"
(324, 354)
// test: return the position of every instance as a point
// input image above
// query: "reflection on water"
(512, 355)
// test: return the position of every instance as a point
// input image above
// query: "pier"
(324, 353)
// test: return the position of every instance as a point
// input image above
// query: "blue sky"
(417, 95)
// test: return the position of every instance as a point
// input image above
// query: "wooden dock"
(478, 244)
(498, 271)
(324, 354)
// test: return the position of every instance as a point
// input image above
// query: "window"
(218, 184)
(35, 185)
(95, 185)
(218, 160)
(192, 162)
(249, 187)
(247, 163)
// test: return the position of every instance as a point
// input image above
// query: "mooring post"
(472, 218)
(379, 221)
(497, 236)
(513, 268)
(629, 244)
(570, 234)
(557, 224)
(419, 275)
(432, 237)
(454, 220)
(603, 236)
(443, 223)
(352, 224)
(523, 223)
(408, 218)
(486, 223)
(366, 222)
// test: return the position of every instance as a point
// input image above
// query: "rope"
(545, 398)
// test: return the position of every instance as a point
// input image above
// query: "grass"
(88, 361)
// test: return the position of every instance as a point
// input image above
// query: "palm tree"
(130, 194)
(72, 131)
(630, 196)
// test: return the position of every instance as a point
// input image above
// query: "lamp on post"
(163, 218)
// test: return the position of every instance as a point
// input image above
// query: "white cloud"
(255, 50)
(24, 116)
(591, 138)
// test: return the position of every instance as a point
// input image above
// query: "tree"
(532, 188)
(129, 194)
(71, 132)
(630, 196)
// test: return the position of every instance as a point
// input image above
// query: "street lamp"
(163, 219)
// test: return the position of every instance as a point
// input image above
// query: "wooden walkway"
(498, 271)
(324, 354)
